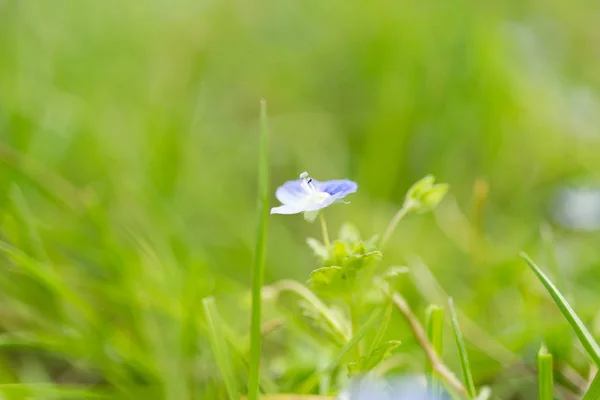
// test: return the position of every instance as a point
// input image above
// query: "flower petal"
(294, 208)
(290, 192)
(338, 188)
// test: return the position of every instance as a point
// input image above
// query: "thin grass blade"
(584, 336)
(545, 374)
(258, 268)
(219, 346)
(434, 323)
(462, 352)
(593, 392)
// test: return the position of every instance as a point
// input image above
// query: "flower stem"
(325, 232)
(406, 208)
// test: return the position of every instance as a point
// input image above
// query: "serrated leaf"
(332, 281)
(370, 361)
(361, 261)
(318, 248)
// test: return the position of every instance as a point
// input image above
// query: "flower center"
(307, 183)
(315, 197)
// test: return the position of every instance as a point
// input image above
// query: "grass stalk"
(545, 374)
(258, 267)
(462, 352)
(434, 323)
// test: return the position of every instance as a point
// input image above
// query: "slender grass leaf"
(545, 374)
(382, 328)
(593, 392)
(434, 323)
(462, 352)
(218, 342)
(585, 337)
(258, 267)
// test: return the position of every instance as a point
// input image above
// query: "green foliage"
(333, 281)
(128, 182)
(425, 195)
(434, 324)
(545, 375)
(258, 266)
(375, 356)
(462, 352)
(219, 347)
(584, 336)
(593, 392)
(349, 256)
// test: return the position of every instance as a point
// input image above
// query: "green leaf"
(309, 384)
(434, 322)
(419, 188)
(425, 195)
(462, 352)
(593, 393)
(219, 347)
(584, 336)
(371, 360)
(382, 327)
(332, 281)
(318, 249)
(258, 266)
(433, 197)
(545, 374)
(339, 253)
(362, 261)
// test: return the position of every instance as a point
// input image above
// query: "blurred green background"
(129, 145)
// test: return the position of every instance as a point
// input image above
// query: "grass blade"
(434, 323)
(593, 393)
(584, 336)
(258, 267)
(218, 343)
(545, 374)
(382, 328)
(462, 352)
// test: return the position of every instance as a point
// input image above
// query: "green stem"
(406, 208)
(325, 232)
(258, 267)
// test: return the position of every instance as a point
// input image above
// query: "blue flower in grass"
(309, 196)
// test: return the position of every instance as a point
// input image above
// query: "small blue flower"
(308, 196)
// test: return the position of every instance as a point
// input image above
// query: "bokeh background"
(129, 149)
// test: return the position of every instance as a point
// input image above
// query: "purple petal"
(290, 192)
(338, 188)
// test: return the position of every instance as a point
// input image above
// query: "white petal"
(288, 209)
